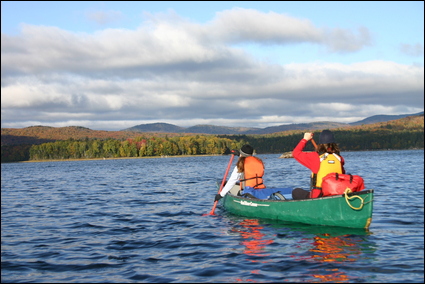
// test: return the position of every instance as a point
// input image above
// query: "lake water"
(141, 220)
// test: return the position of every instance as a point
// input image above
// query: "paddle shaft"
(222, 183)
(314, 143)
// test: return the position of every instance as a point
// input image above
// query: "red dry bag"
(335, 184)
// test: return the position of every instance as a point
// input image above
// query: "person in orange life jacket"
(249, 170)
(325, 160)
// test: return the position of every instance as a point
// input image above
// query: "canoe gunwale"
(366, 191)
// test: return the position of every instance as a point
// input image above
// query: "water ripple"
(142, 220)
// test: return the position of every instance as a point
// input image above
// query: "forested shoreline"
(406, 133)
(205, 145)
(114, 148)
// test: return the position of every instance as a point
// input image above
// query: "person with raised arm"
(326, 159)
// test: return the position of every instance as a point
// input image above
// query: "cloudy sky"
(113, 65)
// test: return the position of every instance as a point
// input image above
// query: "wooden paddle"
(234, 152)
(314, 143)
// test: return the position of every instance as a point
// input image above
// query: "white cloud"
(240, 24)
(248, 25)
(344, 41)
(170, 69)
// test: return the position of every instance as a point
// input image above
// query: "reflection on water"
(328, 248)
(253, 238)
(325, 253)
(254, 242)
(334, 249)
(332, 245)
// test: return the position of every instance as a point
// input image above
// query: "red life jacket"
(253, 173)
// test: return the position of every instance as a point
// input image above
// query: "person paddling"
(249, 170)
(326, 159)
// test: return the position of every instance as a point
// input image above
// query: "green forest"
(139, 147)
(346, 140)
(406, 133)
(113, 148)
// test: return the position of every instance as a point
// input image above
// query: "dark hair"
(241, 163)
(328, 148)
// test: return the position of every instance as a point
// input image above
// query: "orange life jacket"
(253, 173)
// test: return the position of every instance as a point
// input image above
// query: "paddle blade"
(212, 210)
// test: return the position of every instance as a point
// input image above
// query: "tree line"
(405, 133)
(361, 140)
(138, 147)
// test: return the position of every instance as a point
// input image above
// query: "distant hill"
(214, 129)
(382, 118)
(156, 127)
(41, 134)
(298, 126)
(201, 128)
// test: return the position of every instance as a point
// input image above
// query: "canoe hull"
(341, 211)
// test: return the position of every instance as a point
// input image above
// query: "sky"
(111, 65)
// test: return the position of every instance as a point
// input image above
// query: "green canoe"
(353, 210)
